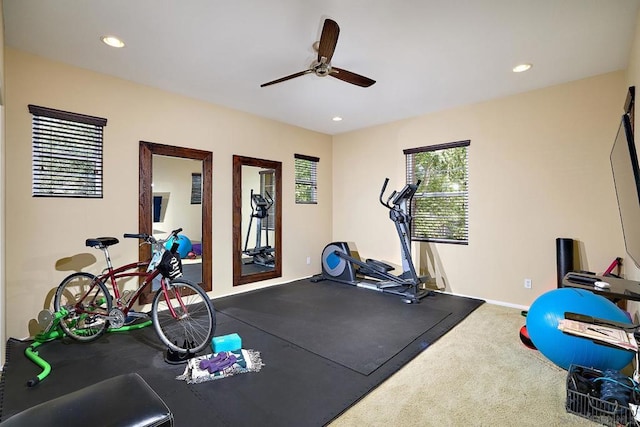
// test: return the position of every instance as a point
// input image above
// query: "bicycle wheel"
(88, 303)
(187, 320)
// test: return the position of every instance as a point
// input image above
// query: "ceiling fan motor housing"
(322, 69)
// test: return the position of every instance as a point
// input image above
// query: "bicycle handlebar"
(150, 239)
(136, 236)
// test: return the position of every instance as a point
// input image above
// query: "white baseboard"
(490, 301)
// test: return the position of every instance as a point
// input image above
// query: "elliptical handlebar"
(384, 188)
(268, 198)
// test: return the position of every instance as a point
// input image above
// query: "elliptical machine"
(341, 265)
(261, 255)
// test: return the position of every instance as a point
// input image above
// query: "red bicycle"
(181, 312)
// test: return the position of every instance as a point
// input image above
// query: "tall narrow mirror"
(175, 192)
(257, 219)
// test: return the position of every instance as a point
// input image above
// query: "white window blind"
(306, 179)
(66, 153)
(441, 205)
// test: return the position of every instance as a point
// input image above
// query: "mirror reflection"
(257, 220)
(177, 203)
(258, 225)
(175, 192)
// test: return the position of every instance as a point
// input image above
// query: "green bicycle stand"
(131, 327)
(53, 331)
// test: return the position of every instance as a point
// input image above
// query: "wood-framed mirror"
(175, 192)
(257, 219)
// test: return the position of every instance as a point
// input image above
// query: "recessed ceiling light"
(112, 41)
(337, 119)
(522, 68)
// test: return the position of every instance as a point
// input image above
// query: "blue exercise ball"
(563, 349)
(184, 245)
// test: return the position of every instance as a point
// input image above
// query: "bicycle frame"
(135, 269)
(112, 275)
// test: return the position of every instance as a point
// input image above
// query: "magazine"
(603, 334)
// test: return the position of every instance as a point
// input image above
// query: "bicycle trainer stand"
(51, 330)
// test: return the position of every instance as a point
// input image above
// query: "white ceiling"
(426, 55)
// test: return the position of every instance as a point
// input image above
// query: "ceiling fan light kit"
(322, 66)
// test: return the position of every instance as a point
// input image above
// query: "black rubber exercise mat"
(295, 387)
(357, 328)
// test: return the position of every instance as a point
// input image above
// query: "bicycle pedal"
(134, 316)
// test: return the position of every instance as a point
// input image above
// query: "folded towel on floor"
(245, 361)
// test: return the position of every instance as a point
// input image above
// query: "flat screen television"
(626, 176)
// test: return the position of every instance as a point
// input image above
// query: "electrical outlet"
(527, 283)
(308, 260)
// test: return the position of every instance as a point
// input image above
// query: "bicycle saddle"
(101, 242)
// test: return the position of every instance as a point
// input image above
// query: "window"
(67, 153)
(306, 179)
(441, 205)
(267, 189)
(196, 188)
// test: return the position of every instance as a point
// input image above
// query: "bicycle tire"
(86, 320)
(189, 332)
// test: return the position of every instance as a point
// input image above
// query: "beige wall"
(42, 231)
(538, 169)
(3, 323)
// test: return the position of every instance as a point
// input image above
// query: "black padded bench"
(125, 400)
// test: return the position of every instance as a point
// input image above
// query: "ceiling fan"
(322, 67)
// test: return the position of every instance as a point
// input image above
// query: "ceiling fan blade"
(328, 40)
(292, 76)
(349, 77)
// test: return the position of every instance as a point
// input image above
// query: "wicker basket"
(587, 403)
